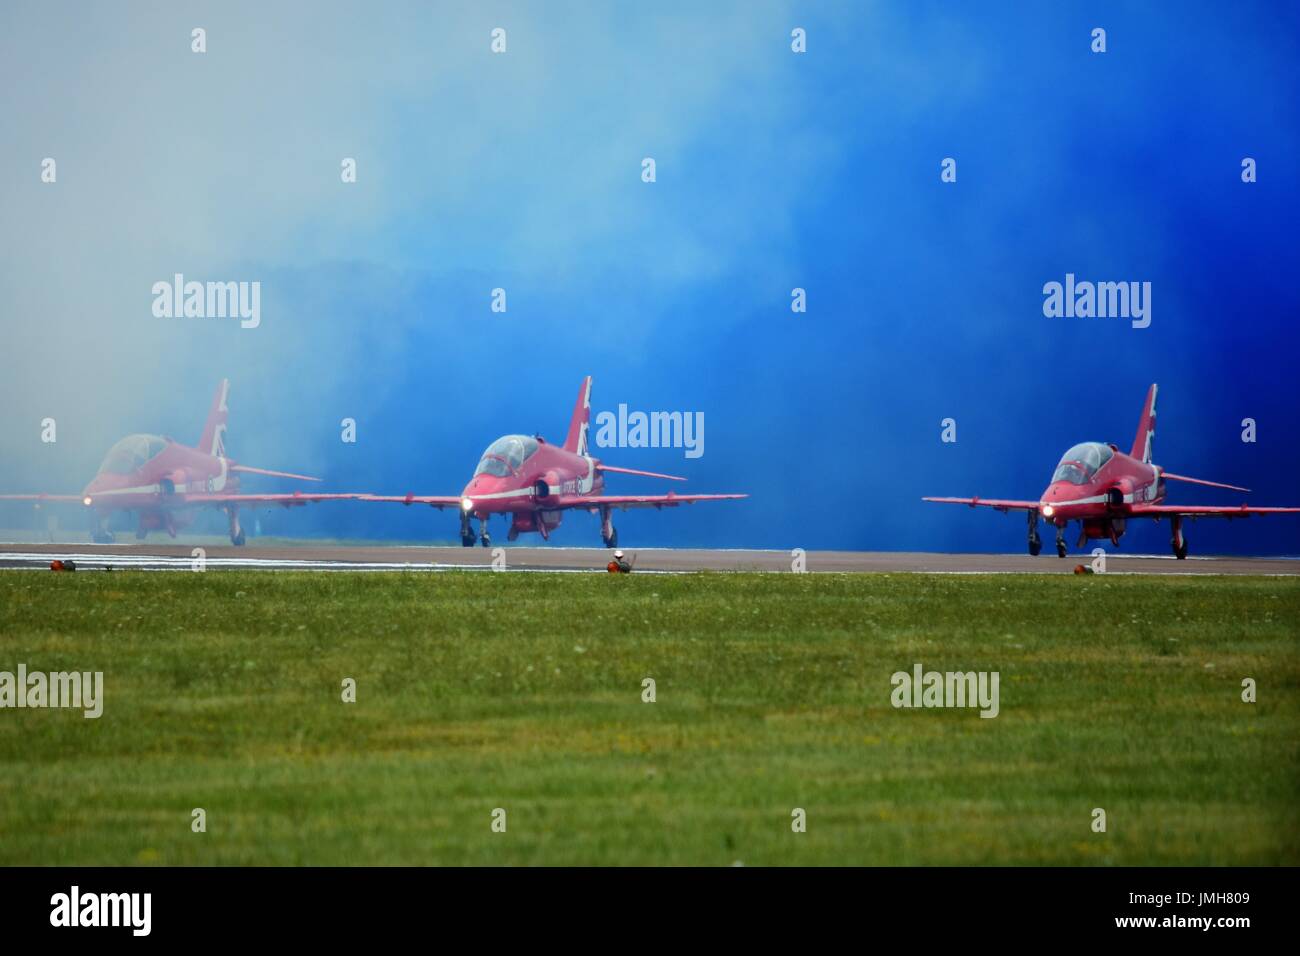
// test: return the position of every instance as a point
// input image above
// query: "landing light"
(86, 501)
(466, 504)
(1048, 511)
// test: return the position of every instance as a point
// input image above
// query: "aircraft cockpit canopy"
(1081, 462)
(131, 453)
(505, 455)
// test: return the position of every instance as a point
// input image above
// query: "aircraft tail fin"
(213, 441)
(576, 441)
(1146, 433)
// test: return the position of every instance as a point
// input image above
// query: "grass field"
(478, 691)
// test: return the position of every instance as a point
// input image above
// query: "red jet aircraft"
(534, 482)
(1099, 486)
(165, 482)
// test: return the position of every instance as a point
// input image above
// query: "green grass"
(523, 691)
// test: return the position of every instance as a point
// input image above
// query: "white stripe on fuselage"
(584, 487)
(1098, 499)
(526, 493)
(194, 487)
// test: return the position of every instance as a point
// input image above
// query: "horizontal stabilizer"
(643, 474)
(274, 474)
(1201, 481)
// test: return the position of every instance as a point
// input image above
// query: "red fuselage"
(519, 475)
(1098, 484)
(1102, 488)
(144, 472)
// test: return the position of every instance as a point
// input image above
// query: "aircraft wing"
(1001, 504)
(624, 502)
(433, 501)
(76, 498)
(284, 500)
(1205, 511)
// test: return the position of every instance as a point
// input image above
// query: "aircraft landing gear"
(608, 533)
(1035, 542)
(100, 533)
(1060, 541)
(236, 532)
(483, 531)
(1178, 541)
(141, 533)
(466, 532)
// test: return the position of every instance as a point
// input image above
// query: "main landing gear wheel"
(236, 529)
(1178, 541)
(1060, 549)
(102, 537)
(1035, 542)
(608, 533)
(467, 540)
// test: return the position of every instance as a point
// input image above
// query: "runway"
(665, 560)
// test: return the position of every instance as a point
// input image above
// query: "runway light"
(466, 504)
(86, 501)
(1048, 511)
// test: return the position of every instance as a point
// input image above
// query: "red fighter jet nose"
(482, 491)
(1059, 492)
(485, 485)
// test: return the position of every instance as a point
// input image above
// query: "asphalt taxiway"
(152, 556)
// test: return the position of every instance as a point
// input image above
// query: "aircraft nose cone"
(1059, 492)
(483, 485)
(90, 491)
(479, 487)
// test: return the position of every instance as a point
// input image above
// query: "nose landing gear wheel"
(611, 539)
(237, 539)
(1035, 546)
(1060, 549)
